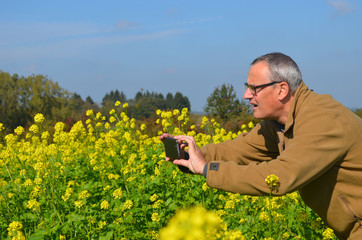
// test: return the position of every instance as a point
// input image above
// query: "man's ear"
(284, 91)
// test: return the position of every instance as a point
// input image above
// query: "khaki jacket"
(319, 154)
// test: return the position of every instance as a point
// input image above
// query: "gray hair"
(282, 69)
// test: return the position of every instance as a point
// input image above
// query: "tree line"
(22, 97)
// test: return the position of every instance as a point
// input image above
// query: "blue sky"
(93, 47)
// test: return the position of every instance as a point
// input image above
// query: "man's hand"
(196, 162)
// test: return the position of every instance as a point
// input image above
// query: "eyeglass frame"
(254, 88)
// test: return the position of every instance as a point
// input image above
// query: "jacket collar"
(299, 97)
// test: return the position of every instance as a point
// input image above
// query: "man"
(310, 141)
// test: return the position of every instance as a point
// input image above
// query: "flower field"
(106, 178)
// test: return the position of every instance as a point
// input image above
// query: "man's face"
(265, 100)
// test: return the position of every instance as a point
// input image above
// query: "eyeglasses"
(254, 88)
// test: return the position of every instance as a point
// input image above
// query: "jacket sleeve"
(313, 148)
(253, 147)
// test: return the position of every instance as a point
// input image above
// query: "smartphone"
(172, 148)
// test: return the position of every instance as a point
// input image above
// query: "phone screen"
(172, 148)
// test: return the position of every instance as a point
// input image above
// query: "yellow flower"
(158, 203)
(105, 204)
(39, 118)
(28, 183)
(14, 230)
(130, 179)
(155, 217)
(38, 181)
(71, 183)
(230, 204)
(102, 224)
(127, 205)
(84, 194)
(33, 205)
(59, 126)
(176, 112)
(34, 128)
(157, 171)
(78, 203)
(328, 234)
(286, 235)
(15, 226)
(205, 120)
(1, 127)
(45, 135)
(117, 103)
(242, 220)
(89, 113)
(272, 181)
(234, 235)
(112, 119)
(205, 187)
(67, 194)
(125, 105)
(117, 194)
(22, 172)
(174, 174)
(112, 112)
(158, 111)
(153, 197)
(193, 223)
(19, 130)
(264, 216)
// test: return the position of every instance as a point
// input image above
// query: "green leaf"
(108, 236)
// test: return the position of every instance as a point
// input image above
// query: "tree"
(109, 100)
(224, 103)
(145, 104)
(89, 100)
(358, 112)
(169, 101)
(112, 97)
(12, 113)
(21, 98)
(180, 102)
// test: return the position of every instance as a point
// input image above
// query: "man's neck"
(283, 117)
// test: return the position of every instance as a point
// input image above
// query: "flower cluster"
(193, 223)
(106, 177)
(14, 230)
(273, 182)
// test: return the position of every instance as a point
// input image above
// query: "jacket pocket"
(349, 208)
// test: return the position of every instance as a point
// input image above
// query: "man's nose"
(248, 94)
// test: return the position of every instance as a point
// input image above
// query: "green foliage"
(358, 112)
(110, 98)
(109, 180)
(224, 103)
(145, 104)
(12, 112)
(22, 97)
